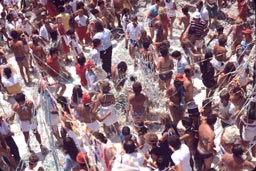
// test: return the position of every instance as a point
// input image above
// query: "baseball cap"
(196, 15)
(247, 31)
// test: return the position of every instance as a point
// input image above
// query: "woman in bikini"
(147, 58)
(106, 101)
(164, 66)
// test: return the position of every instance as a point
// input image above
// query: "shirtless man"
(220, 54)
(20, 54)
(106, 101)
(38, 53)
(164, 66)
(204, 153)
(176, 94)
(137, 104)
(234, 161)
(91, 119)
(25, 110)
(188, 85)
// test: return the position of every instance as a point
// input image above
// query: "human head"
(122, 67)
(187, 122)
(211, 119)
(151, 138)
(237, 150)
(54, 35)
(229, 68)
(61, 8)
(33, 160)
(146, 43)
(199, 5)
(134, 20)
(100, 137)
(247, 33)
(101, 3)
(174, 142)
(20, 98)
(137, 88)
(99, 26)
(162, 162)
(176, 55)
(77, 93)
(81, 60)
(15, 34)
(164, 51)
(9, 17)
(188, 70)
(8, 72)
(126, 131)
(185, 10)
(96, 43)
(105, 87)
(129, 146)
(162, 12)
(208, 54)
(53, 51)
(63, 102)
(224, 97)
(222, 40)
(220, 29)
(86, 99)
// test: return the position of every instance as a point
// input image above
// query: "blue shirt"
(181, 65)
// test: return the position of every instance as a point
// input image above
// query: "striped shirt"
(199, 28)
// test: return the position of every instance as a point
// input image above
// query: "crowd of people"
(47, 36)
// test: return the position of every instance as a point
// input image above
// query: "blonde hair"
(151, 137)
(231, 134)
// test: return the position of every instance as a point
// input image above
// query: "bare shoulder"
(29, 103)
(15, 106)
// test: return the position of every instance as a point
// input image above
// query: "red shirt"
(242, 7)
(54, 67)
(80, 71)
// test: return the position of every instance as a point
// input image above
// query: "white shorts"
(199, 43)
(171, 13)
(112, 118)
(94, 126)
(54, 119)
(28, 125)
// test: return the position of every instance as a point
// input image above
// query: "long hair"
(77, 93)
(70, 148)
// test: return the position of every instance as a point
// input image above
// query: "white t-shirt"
(181, 65)
(182, 156)
(134, 32)
(228, 110)
(95, 56)
(11, 81)
(81, 21)
(169, 6)
(44, 33)
(105, 38)
(204, 14)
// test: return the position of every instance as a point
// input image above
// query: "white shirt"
(81, 21)
(134, 32)
(204, 13)
(182, 156)
(75, 45)
(95, 56)
(11, 81)
(229, 111)
(105, 38)
(44, 33)
(217, 64)
(9, 28)
(10, 2)
(181, 65)
(169, 6)
(25, 26)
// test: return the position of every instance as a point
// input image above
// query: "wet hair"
(122, 66)
(164, 51)
(54, 35)
(187, 122)
(237, 150)
(53, 50)
(77, 93)
(220, 29)
(101, 137)
(9, 16)
(137, 88)
(176, 54)
(125, 11)
(126, 130)
(80, 5)
(174, 141)
(7, 72)
(20, 97)
(229, 68)
(70, 32)
(146, 43)
(208, 54)
(15, 34)
(211, 119)
(129, 146)
(134, 18)
(33, 159)
(99, 26)
(69, 147)
(185, 10)
(95, 11)
(81, 60)
(96, 42)
(162, 162)
(222, 40)
(101, 2)
(105, 87)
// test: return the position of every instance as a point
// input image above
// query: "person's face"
(224, 101)
(134, 23)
